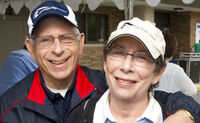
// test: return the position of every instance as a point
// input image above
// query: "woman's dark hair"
(171, 44)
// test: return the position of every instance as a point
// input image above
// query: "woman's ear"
(158, 76)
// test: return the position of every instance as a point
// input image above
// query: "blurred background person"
(196, 47)
(17, 65)
(174, 78)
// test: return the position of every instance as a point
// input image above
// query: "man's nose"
(57, 46)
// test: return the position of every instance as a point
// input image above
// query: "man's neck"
(59, 84)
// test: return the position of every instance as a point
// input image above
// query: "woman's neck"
(127, 111)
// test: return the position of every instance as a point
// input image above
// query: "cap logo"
(125, 25)
(139, 28)
(45, 8)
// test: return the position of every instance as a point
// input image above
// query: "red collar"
(83, 86)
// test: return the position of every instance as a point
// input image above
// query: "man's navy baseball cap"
(50, 8)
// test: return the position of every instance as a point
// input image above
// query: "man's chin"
(62, 75)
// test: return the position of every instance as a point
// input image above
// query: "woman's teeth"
(126, 82)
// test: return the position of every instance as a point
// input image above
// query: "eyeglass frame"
(125, 54)
(34, 39)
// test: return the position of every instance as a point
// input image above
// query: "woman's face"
(129, 78)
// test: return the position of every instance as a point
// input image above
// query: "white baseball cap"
(50, 8)
(146, 32)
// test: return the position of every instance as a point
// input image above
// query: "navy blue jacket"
(27, 102)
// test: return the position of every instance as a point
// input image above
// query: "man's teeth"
(57, 62)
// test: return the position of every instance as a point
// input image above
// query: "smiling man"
(60, 84)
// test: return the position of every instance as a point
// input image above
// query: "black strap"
(88, 109)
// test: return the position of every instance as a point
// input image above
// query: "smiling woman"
(133, 63)
(59, 86)
(131, 57)
(130, 76)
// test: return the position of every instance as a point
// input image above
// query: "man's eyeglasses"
(48, 41)
(140, 59)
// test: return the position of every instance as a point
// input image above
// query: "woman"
(133, 64)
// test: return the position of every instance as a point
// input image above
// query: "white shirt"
(175, 79)
(102, 111)
(61, 91)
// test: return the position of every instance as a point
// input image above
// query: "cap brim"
(140, 36)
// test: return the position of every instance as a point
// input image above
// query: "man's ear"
(29, 46)
(158, 75)
(104, 66)
(81, 43)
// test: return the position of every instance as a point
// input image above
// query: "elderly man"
(52, 91)
(59, 84)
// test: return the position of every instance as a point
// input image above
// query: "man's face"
(58, 61)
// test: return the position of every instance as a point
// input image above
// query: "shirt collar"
(52, 95)
(153, 112)
(102, 111)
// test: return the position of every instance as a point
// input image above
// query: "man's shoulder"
(16, 95)
(96, 77)
(92, 72)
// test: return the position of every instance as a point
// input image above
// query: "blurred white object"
(188, 1)
(153, 3)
